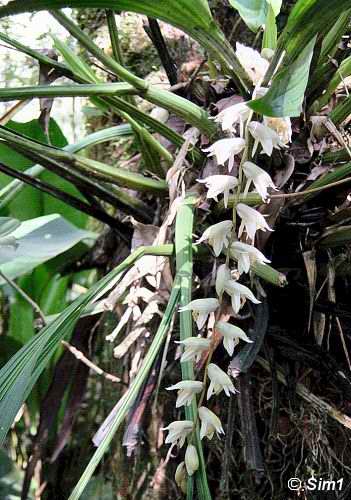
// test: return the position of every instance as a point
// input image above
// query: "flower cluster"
(225, 237)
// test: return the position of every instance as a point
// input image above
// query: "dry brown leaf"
(283, 175)
(123, 347)
(309, 258)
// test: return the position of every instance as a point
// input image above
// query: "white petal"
(223, 275)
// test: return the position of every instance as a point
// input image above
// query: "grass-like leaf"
(132, 392)
(18, 376)
(197, 22)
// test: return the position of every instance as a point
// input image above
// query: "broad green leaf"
(37, 241)
(307, 19)
(270, 31)
(7, 226)
(253, 12)
(286, 94)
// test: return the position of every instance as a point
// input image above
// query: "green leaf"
(21, 315)
(9, 192)
(77, 65)
(197, 22)
(276, 6)
(7, 226)
(33, 203)
(286, 94)
(307, 19)
(129, 397)
(270, 31)
(19, 375)
(253, 12)
(36, 241)
(343, 71)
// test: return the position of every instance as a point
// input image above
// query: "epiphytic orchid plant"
(221, 170)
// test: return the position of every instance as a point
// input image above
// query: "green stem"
(190, 112)
(100, 171)
(184, 263)
(116, 103)
(341, 111)
(159, 97)
(108, 61)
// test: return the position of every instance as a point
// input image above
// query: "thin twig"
(81, 357)
(26, 297)
(313, 190)
(342, 338)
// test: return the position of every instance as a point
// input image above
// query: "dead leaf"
(226, 102)
(283, 175)
(309, 258)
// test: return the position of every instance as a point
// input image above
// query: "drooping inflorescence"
(235, 239)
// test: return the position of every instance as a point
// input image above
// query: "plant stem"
(24, 295)
(184, 262)
(74, 202)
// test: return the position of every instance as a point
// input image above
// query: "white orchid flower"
(251, 220)
(201, 309)
(178, 431)
(281, 125)
(210, 423)
(234, 115)
(223, 275)
(217, 235)
(180, 477)
(160, 114)
(220, 381)
(231, 335)
(194, 347)
(218, 184)
(261, 180)
(186, 391)
(226, 149)
(267, 137)
(245, 255)
(252, 61)
(239, 293)
(191, 459)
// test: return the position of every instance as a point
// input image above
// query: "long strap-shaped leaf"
(190, 112)
(98, 170)
(118, 197)
(21, 372)
(113, 103)
(192, 16)
(128, 398)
